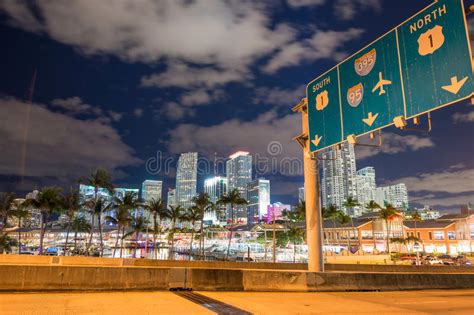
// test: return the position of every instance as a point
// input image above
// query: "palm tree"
(96, 208)
(100, 178)
(175, 214)
(192, 215)
(72, 204)
(48, 201)
(351, 203)
(343, 219)
(6, 207)
(296, 235)
(6, 243)
(372, 206)
(123, 208)
(157, 209)
(122, 219)
(20, 212)
(332, 213)
(387, 214)
(79, 225)
(203, 204)
(233, 199)
(138, 225)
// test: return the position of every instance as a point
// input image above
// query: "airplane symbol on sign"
(381, 84)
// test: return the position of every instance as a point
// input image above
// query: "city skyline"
(135, 107)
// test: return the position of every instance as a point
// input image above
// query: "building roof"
(268, 227)
(358, 222)
(427, 224)
(456, 216)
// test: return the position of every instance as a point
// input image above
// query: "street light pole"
(312, 195)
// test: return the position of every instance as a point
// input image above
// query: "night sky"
(130, 84)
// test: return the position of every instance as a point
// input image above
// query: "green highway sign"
(421, 65)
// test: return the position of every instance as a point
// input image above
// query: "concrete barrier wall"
(67, 278)
(129, 262)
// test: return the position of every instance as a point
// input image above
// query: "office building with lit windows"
(186, 179)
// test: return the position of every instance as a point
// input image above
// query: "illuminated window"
(439, 235)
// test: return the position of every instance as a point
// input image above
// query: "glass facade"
(239, 174)
(215, 187)
(258, 196)
(186, 179)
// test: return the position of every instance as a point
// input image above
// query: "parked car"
(447, 260)
(430, 260)
(462, 260)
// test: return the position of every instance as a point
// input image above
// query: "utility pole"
(313, 193)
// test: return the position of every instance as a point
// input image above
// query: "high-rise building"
(151, 189)
(339, 176)
(396, 195)
(171, 198)
(301, 195)
(239, 174)
(215, 187)
(186, 179)
(258, 197)
(365, 186)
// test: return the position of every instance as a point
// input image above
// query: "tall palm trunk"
(294, 250)
(201, 238)
(388, 236)
(42, 232)
(171, 251)
(191, 243)
(231, 230)
(75, 241)
(116, 240)
(155, 227)
(19, 236)
(67, 235)
(91, 234)
(121, 241)
(100, 235)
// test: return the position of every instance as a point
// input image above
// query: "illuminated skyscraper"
(258, 196)
(339, 176)
(239, 174)
(186, 179)
(171, 198)
(215, 187)
(365, 186)
(151, 189)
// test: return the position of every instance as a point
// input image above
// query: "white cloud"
(227, 137)
(322, 45)
(200, 97)
(58, 146)
(172, 111)
(348, 9)
(279, 96)
(393, 144)
(446, 202)
(227, 33)
(304, 3)
(179, 74)
(75, 106)
(452, 180)
(460, 118)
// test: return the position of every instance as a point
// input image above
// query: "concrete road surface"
(406, 302)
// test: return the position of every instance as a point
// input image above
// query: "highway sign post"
(421, 65)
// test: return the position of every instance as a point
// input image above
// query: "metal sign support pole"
(312, 196)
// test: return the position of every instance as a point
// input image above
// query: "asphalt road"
(405, 302)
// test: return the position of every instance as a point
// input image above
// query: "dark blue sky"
(121, 83)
